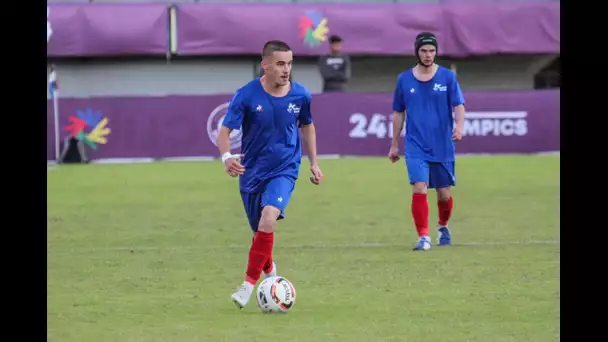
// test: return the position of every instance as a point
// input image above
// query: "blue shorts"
(435, 175)
(276, 192)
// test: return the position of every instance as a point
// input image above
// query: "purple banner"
(379, 29)
(347, 124)
(107, 29)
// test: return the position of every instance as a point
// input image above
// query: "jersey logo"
(439, 87)
(412, 90)
(259, 108)
(292, 108)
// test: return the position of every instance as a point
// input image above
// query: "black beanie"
(424, 38)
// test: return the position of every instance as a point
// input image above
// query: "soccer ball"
(276, 294)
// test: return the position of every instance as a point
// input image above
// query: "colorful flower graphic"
(92, 121)
(313, 28)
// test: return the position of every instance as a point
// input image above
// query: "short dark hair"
(335, 39)
(274, 46)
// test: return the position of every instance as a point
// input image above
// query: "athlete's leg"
(273, 202)
(252, 201)
(418, 173)
(442, 179)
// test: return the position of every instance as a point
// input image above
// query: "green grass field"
(152, 252)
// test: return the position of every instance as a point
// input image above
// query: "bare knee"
(269, 218)
(419, 188)
(444, 194)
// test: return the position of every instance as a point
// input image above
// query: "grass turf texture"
(152, 252)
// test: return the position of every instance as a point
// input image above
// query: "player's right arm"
(398, 121)
(232, 120)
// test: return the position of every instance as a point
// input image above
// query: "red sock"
(445, 211)
(268, 265)
(420, 212)
(260, 252)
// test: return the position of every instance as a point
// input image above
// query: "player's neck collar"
(289, 88)
(434, 68)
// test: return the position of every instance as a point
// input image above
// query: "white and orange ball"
(276, 294)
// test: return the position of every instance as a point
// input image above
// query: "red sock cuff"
(264, 236)
(419, 197)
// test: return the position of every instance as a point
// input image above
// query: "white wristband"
(227, 156)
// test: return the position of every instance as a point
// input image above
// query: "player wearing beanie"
(428, 94)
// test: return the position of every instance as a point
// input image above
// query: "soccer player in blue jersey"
(269, 110)
(428, 94)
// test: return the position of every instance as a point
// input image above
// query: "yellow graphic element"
(320, 33)
(100, 132)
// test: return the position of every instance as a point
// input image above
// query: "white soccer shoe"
(272, 273)
(242, 295)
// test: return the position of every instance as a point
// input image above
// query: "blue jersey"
(269, 124)
(429, 114)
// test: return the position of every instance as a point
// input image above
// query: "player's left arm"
(457, 104)
(309, 137)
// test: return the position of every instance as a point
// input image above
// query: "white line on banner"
(496, 115)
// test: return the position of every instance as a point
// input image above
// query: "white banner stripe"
(496, 115)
